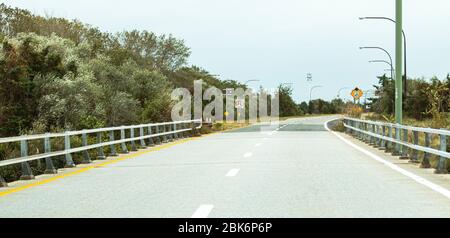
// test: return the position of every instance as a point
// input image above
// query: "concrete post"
(86, 157)
(425, 164)
(404, 152)
(164, 136)
(396, 151)
(141, 134)
(170, 129)
(347, 122)
(181, 127)
(377, 132)
(100, 153)
(133, 142)
(389, 143)
(49, 167)
(414, 153)
(68, 156)
(442, 164)
(3, 183)
(382, 141)
(123, 144)
(112, 147)
(372, 138)
(150, 139)
(157, 138)
(27, 174)
(175, 135)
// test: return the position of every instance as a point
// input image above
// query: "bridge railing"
(145, 135)
(398, 139)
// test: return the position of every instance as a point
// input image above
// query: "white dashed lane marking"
(203, 211)
(232, 173)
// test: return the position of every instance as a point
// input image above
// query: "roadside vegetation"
(427, 104)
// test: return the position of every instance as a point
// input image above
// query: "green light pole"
(398, 61)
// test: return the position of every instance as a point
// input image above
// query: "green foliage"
(288, 107)
(58, 74)
(425, 100)
(320, 106)
(438, 93)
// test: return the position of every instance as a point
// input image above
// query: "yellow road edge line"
(78, 171)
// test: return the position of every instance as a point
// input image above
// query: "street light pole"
(398, 61)
(404, 44)
(385, 51)
(251, 80)
(384, 61)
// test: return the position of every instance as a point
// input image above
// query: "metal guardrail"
(398, 138)
(155, 133)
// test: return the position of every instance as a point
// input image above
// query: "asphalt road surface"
(296, 169)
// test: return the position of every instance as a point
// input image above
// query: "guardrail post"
(383, 141)
(175, 135)
(194, 130)
(27, 174)
(347, 122)
(180, 127)
(358, 133)
(183, 133)
(49, 167)
(425, 164)
(123, 144)
(3, 183)
(364, 136)
(404, 149)
(414, 153)
(86, 157)
(389, 143)
(372, 138)
(442, 165)
(396, 151)
(100, 153)
(68, 156)
(113, 146)
(133, 142)
(141, 134)
(157, 138)
(164, 136)
(171, 138)
(150, 139)
(376, 131)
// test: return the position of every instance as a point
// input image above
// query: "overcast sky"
(279, 41)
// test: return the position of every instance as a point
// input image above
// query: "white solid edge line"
(232, 173)
(258, 145)
(414, 177)
(203, 211)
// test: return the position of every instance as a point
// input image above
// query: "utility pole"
(398, 61)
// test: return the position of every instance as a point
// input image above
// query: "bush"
(354, 111)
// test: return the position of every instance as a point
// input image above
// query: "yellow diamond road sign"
(357, 93)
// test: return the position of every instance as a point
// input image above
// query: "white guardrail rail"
(145, 135)
(398, 139)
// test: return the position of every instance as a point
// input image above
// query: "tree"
(287, 105)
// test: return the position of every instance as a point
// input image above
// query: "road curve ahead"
(296, 169)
